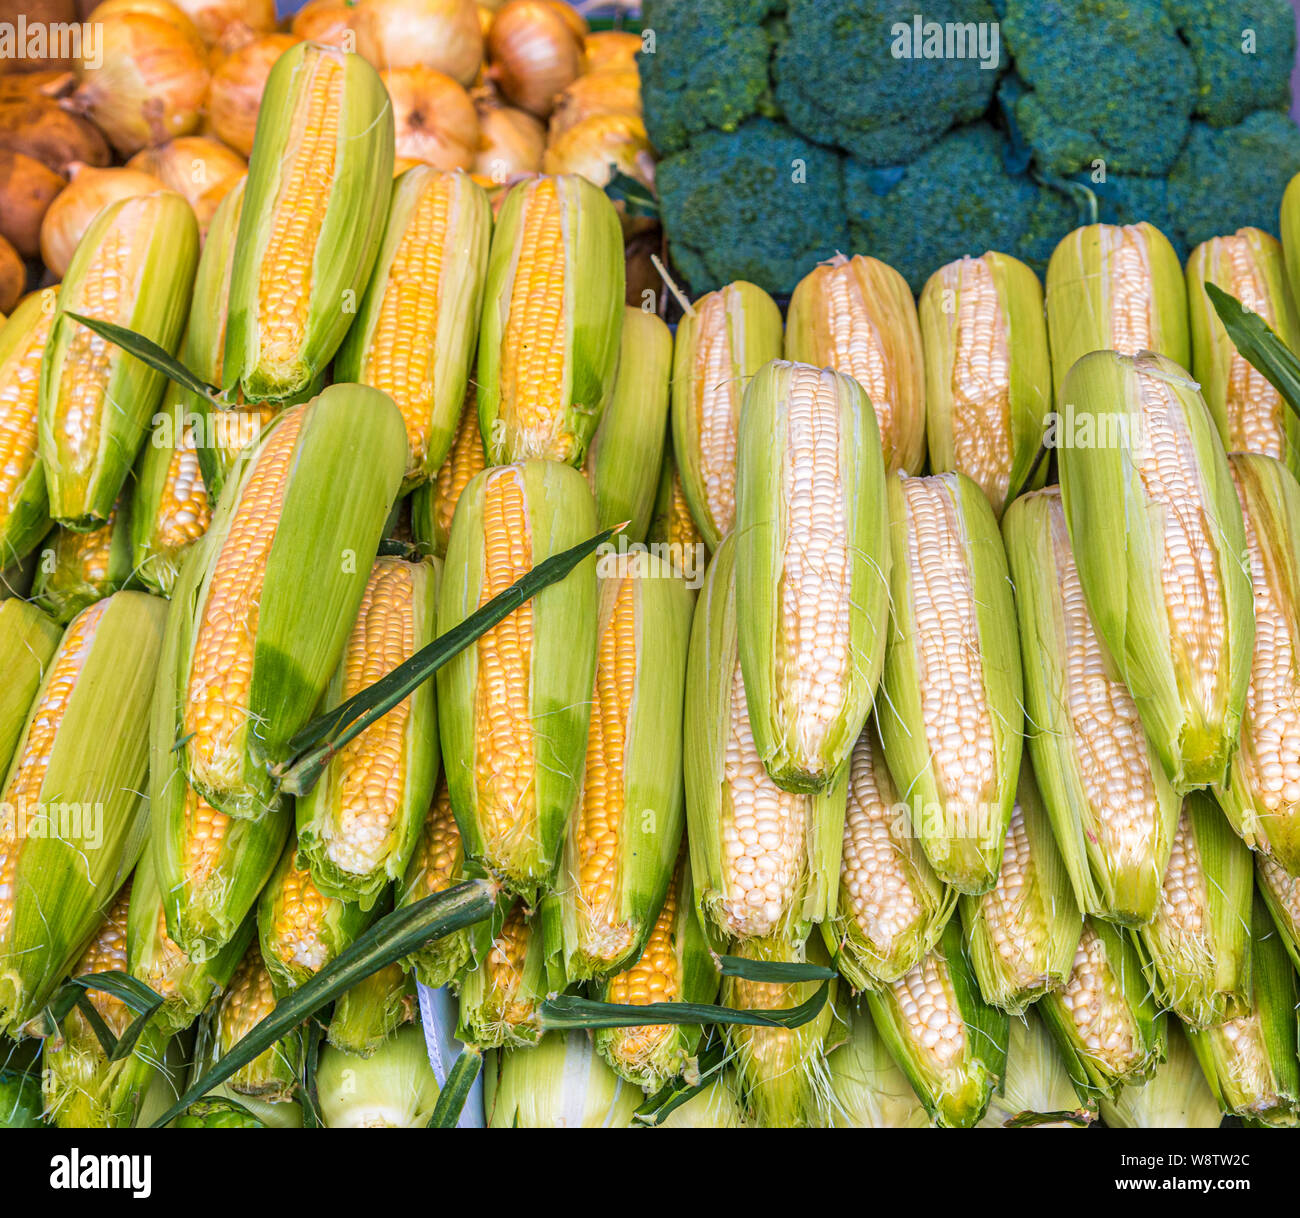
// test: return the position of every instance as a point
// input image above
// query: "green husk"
(393, 1088)
(74, 570)
(1281, 894)
(868, 1090)
(28, 639)
(560, 1083)
(1036, 1091)
(508, 976)
(1176, 1096)
(368, 1014)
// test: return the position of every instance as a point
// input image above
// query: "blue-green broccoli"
(1234, 177)
(708, 69)
(761, 204)
(1243, 49)
(854, 74)
(1109, 80)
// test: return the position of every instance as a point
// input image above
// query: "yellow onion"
(88, 192)
(612, 50)
(28, 86)
(235, 35)
(598, 146)
(28, 188)
(213, 17)
(198, 167)
(13, 278)
(535, 54)
(326, 21)
(164, 10)
(511, 141)
(614, 91)
(150, 85)
(434, 118)
(237, 87)
(439, 34)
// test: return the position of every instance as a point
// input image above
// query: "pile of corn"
(1020, 762)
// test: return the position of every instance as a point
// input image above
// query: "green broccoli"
(1109, 81)
(1243, 52)
(708, 68)
(1234, 177)
(843, 76)
(762, 204)
(956, 198)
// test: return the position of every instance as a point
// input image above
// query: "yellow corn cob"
(273, 1074)
(503, 987)
(28, 639)
(857, 316)
(434, 504)
(672, 523)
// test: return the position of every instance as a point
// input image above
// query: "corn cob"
(948, 1041)
(1115, 288)
(413, 336)
(73, 820)
(1281, 893)
(187, 986)
(1105, 1020)
(1261, 796)
(434, 504)
(812, 568)
(627, 450)
(312, 220)
(83, 1089)
(783, 1072)
(857, 316)
(892, 907)
(1176, 1096)
(358, 826)
(1251, 415)
(765, 861)
(1021, 935)
(675, 966)
(135, 268)
(1289, 229)
(436, 864)
(1174, 612)
(24, 504)
(988, 375)
(75, 570)
(727, 337)
(559, 1084)
(393, 1088)
(868, 1090)
(504, 984)
(951, 719)
(366, 1016)
(626, 824)
(514, 707)
(264, 603)
(1111, 806)
(1250, 1061)
(169, 507)
(300, 929)
(272, 1076)
(28, 640)
(717, 1106)
(1197, 948)
(1035, 1090)
(552, 316)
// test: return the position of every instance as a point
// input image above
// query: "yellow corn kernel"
(296, 933)
(184, 512)
(437, 857)
(1097, 1007)
(1255, 409)
(681, 525)
(106, 953)
(205, 832)
(464, 461)
(1131, 291)
(505, 970)
(717, 407)
(18, 397)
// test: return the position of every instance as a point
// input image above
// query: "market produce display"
(880, 712)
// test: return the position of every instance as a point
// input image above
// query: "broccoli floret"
(762, 204)
(1234, 177)
(708, 68)
(1243, 53)
(851, 74)
(956, 198)
(1109, 80)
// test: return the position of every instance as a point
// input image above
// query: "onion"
(164, 10)
(609, 92)
(439, 34)
(237, 88)
(212, 17)
(511, 141)
(535, 54)
(27, 189)
(198, 167)
(29, 86)
(326, 21)
(576, 22)
(150, 87)
(43, 129)
(601, 144)
(610, 49)
(13, 278)
(88, 193)
(40, 13)
(436, 123)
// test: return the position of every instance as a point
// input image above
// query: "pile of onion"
(89, 191)
(435, 120)
(535, 49)
(237, 88)
(439, 34)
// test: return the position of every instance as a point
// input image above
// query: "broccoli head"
(855, 74)
(1234, 177)
(762, 204)
(956, 198)
(1243, 49)
(1109, 80)
(707, 69)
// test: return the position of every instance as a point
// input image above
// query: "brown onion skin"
(27, 188)
(327, 21)
(13, 277)
(212, 17)
(42, 129)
